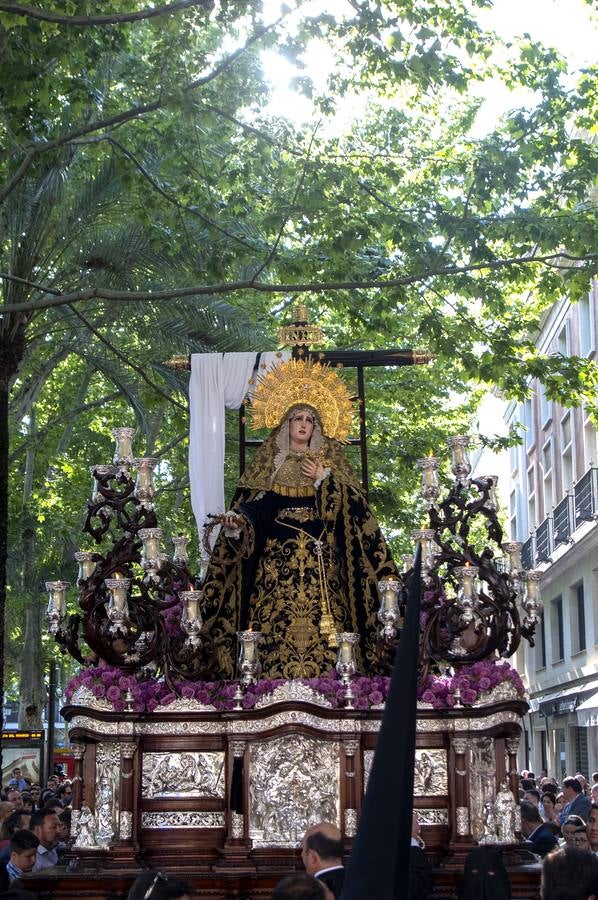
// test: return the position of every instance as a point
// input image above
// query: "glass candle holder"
(466, 595)
(56, 611)
(87, 564)
(346, 664)
(180, 549)
(191, 620)
(144, 484)
(118, 606)
(249, 662)
(461, 466)
(388, 614)
(430, 485)
(151, 558)
(123, 451)
(425, 538)
(513, 549)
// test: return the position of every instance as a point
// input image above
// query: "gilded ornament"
(302, 382)
(350, 822)
(182, 820)
(430, 773)
(187, 774)
(462, 815)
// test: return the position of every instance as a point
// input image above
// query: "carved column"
(77, 782)
(512, 746)
(237, 845)
(462, 821)
(125, 819)
(352, 795)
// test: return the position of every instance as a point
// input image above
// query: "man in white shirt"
(45, 825)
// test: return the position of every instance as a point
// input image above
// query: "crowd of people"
(554, 814)
(559, 822)
(35, 825)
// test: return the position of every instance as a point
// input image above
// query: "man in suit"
(539, 837)
(576, 802)
(322, 855)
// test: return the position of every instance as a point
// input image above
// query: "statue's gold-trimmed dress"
(306, 568)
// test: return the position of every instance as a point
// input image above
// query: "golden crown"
(300, 382)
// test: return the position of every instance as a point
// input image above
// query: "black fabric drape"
(379, 863)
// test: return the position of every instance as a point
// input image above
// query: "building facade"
(553, 510)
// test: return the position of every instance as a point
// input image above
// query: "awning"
(587, 712)
(566, 699)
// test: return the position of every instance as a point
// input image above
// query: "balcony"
(559, 528)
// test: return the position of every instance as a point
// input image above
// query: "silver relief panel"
(187, 774)
(106, 796)
(293, 783)
(430, 773)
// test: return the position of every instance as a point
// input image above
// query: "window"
(590, 447)
(567, 467)
(513, 515)
(561, 751)
(545, 407)
(557, 633)
(578, 618)
(531, 497)
(562, 341)
(541, 645)
(547, 475)
(587, 336)
(581, 750)
(528, 421)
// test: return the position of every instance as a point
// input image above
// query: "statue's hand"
(313, 469)
(232, 524)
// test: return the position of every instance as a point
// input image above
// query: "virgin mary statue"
(300, 552)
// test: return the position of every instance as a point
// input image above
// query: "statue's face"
(301, 428)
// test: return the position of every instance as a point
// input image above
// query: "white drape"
(217, 381)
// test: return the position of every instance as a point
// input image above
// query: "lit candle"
(346, 665)
(429, 469)
(425, 539)
(466, 576)
(118, 587)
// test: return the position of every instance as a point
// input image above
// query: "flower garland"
(110, 684)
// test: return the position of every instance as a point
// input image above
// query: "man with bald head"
(322, 855)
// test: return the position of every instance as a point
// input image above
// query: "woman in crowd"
(593, 828)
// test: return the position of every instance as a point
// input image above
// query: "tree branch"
(124, 358)
(315, 287)
(34, 150)
(290, 209)
(33, 12)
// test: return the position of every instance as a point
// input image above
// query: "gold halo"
(300, 382)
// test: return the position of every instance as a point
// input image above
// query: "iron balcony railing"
(579, 506)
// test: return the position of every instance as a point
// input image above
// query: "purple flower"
(167, 699)
(468, 697)
(484, 683)
(113, 693)
(428, 696)
(151, 704)
(375, 698)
